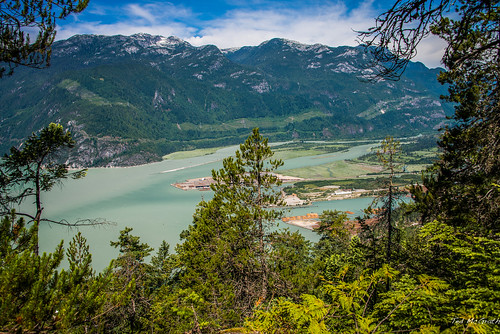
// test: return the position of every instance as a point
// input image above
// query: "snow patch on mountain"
(131, 49)
(236, 75)
(314, 65)
(345, 68)
(262, 87)
(348, 53)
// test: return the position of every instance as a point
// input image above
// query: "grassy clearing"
(250, 123)
(304, 149)
(282, 151)
(190, 154)
(75, 88)
(334, 170)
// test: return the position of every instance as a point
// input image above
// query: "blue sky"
(235, 23)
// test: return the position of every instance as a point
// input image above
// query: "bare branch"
(394, 39)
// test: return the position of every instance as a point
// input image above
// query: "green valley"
(130, 100)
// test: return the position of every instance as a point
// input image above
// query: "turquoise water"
(142, 198)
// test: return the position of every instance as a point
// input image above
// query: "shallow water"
(142, 198)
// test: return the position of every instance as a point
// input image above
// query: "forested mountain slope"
(131, 99)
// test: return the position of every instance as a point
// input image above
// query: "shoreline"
(203, 183)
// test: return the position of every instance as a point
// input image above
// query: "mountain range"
(129, 100)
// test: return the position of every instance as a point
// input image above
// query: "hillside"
(131, 99)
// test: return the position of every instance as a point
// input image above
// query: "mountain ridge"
(131, 99)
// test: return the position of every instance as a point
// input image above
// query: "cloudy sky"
(235, 23)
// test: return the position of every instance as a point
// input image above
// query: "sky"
(236, 23)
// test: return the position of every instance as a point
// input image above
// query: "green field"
(191, 154)
(335, 170)
(357, 173)
(365, 172)
(284, 151)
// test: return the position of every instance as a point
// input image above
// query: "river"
(142, 198)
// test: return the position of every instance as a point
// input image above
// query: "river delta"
(143, 198)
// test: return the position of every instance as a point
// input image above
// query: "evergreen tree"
(459, 201)
(131, 273)
(291, 270)
(335, 231)
(388, 155)
(37, 297)
(379, 231)
(32, 169)
(224, 260)
(21, 19)
(250, 180)
(459, 188)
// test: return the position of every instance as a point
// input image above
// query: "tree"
(335, 232)
(459, 201)
(467, 263)
(388, 156)
(349, 307)
(470, 27)
(20, 20)
(249, 183)
(131, 273)
(37, 297)
(14, 236)
(379, 232)
(291, 271)
(225, 259)
(468, 167)
(34, 168)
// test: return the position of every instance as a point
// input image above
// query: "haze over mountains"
(131, 99)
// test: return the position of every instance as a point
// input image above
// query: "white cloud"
(430, 51)
(141, 12)
(331, 24)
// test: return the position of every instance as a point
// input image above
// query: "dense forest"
(428, 266)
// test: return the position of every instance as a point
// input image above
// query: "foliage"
(17, 17)
(234, 269)
(285, 316)
(470, 161)
(224, 261)
(463, 176)
(248, 182)
(29, 171)
(335, 233)
(131, 274)
(291, 271)
(166, 108)
(14, 236)
(352, 257)
(468, 263)
(360, 306)
(36, 297)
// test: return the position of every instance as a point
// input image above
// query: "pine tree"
(131, 273)
(20, 20)
(224, 258)
(459, 188)
(29, 171)
(388, 155)
(38, 296)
